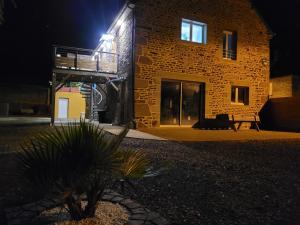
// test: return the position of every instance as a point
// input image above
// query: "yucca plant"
(77, 162)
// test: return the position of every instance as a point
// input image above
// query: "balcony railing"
(85, 60)
(229, 54)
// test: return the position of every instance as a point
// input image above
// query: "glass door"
(170, 103)
(190, 109)
(181, 103)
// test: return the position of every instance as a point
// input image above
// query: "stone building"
(70, 104)
(282, 111)
(182, 62)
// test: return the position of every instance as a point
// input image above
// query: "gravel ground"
(216, 183)
(222, 183)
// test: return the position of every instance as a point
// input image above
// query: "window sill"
(192, 43)
(229, 59)
(238, 104)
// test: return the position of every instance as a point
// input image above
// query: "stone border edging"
(138, 214)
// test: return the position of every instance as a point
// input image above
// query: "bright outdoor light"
(120, 22)
(107, 37)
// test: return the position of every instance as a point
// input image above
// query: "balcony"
(83, 62)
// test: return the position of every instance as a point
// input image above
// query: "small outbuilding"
(283, 109)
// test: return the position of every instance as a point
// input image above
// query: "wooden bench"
(232, 120)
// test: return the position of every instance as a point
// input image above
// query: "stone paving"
(138, 214)
(136, 134)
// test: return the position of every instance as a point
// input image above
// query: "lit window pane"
(233, 89)
(185, 31)
(197, 33)
(240, 95)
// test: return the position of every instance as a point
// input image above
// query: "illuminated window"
(240, 95)
(229, 45)
(193, 31)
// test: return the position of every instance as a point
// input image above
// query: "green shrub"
(78, 161)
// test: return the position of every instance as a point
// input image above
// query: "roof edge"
(271, 33)
(122, 11)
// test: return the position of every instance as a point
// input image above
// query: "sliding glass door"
(180, 103)
(170, 103)
(190, 103)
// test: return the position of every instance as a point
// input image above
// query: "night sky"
(31, 29)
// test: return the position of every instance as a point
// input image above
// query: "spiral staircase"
(95, 96)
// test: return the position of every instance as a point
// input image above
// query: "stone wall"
(283, 87)
(120, 103)
(161, 54)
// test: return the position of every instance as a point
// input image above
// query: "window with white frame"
(229, 45)
(240, 95)
(193, 31)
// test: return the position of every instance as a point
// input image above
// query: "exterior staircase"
(93, 94)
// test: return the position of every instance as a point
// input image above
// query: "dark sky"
(31, 29)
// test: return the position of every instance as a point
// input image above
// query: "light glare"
(119, 23)
(107, 37)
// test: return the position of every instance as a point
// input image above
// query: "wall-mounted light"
(107, 37)
(264, 61)
(120, 22)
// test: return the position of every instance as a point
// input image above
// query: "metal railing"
(85, 60)
(229, 54)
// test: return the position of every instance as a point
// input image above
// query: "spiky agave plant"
(76, 161)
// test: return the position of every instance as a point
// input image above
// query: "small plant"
(78, 162)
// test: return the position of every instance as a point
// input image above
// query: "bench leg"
(240, 124)
(256, 126)
(233, 127)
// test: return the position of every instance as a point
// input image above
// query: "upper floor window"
(229, 45)
(240, 95)
(193, 31)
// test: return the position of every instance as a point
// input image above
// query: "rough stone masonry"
(161, 54)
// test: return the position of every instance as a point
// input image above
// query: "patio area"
(197, 135)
